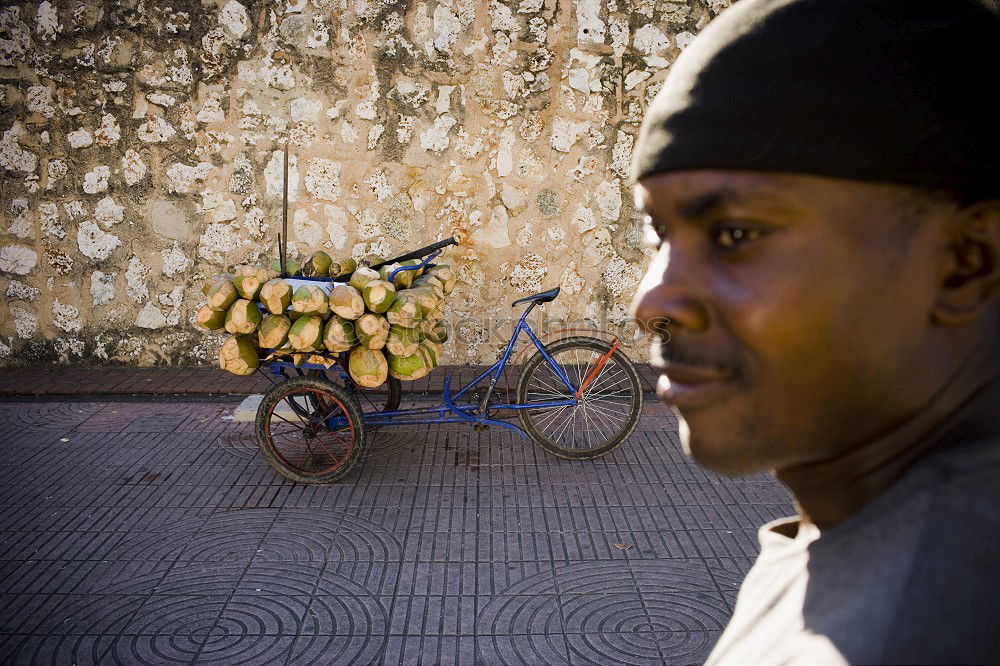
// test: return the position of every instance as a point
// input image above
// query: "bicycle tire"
(601, 431)
(310, 400)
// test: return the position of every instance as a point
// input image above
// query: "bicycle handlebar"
(430, 257)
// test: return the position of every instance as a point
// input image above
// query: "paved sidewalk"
(95, 381)
(155, 533)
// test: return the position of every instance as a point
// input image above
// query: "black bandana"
(896, 91)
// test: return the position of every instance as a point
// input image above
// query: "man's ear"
(971, 265)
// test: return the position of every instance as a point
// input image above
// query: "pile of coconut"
(386, 324)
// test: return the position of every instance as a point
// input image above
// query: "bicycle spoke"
(551, 418)
(292, 423)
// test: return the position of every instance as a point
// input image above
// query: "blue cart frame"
(452, 410)
(457, 407)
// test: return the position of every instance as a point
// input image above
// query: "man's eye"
(734, 236)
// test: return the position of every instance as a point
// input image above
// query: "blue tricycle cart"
(578, 397)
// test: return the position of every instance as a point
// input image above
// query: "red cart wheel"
(310, 430)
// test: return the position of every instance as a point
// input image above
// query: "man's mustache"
(675, 351)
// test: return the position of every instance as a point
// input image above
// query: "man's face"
(799, 313)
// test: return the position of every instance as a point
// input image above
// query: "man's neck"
(827, 492)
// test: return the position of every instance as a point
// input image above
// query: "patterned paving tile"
(152, 533)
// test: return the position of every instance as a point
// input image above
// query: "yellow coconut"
(238, 355)
(273, 331)
(347, 302)
(221, 294)
(243, 317)
(372, 330)
(378, 295)
(306, 334)
(210, 320)
(368, 367)
(310, 299)
(276, 295)
(339, 334)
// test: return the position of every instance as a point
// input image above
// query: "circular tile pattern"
(302, 535)
(285, 535)
(48, 415)
(231, 621)
(240, 441)
(618, 611)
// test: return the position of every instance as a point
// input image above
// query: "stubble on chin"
(736, 452)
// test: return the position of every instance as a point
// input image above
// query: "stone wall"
(141, 152)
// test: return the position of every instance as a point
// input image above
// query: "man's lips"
(690, 387)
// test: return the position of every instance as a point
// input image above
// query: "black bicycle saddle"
(543, 297)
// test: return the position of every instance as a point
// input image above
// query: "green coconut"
(249, 279)
(243, 317)
(306, 334)
(407, 368)
(317, 265)
(276, 295)
(435, 331)
(345, 267)
(431, 352)
(368, 367)
(378, 295)
(210, 282)
(273, 331)
(447, 275)
(238, 355)
(209, 319)
(291, 266)
(403, 341)
(347, 301)
(372, 330)
(431, 282)
(426, 298)
(437, 314)
(405, 310)
(363, 276)
(339, 335)
(221, 293)
(310, 299)
(402, 280)
(370, 260)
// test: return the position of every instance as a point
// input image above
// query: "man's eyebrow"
(709, 202)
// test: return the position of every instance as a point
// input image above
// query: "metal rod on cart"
(283, 238)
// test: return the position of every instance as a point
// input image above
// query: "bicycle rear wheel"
(385, 398)
(605, 414)
(310, 430)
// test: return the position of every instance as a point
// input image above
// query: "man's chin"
(720, 454)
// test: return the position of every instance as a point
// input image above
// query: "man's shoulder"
(948, 606)
(914, 576)
(952, 483)
(979, 457)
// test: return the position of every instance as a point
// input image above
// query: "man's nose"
(668, 297)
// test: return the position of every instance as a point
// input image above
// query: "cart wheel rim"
(303, 443)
